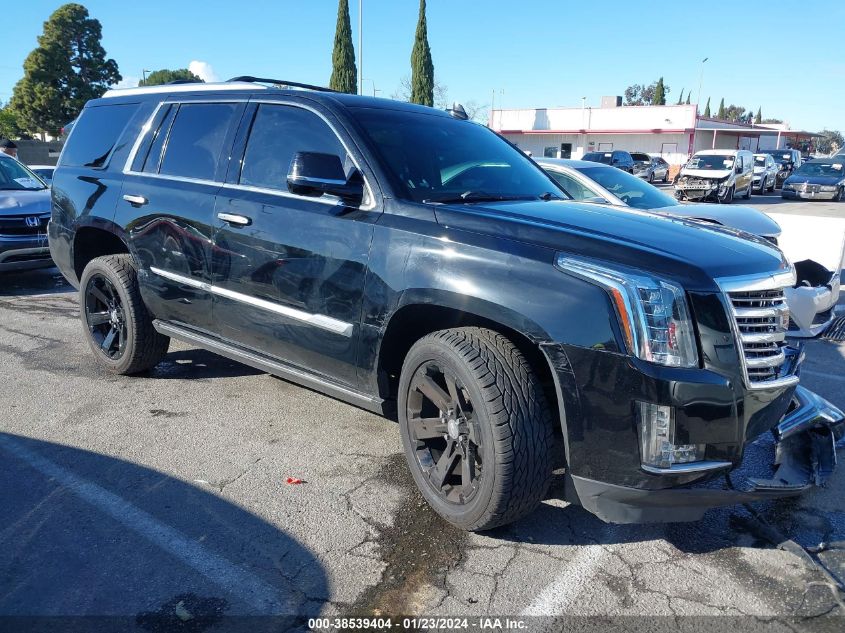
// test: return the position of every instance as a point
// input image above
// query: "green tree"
(707, 108)
(68, 68)
(681, 97)
(759, 118)
(829, 142)
(422, 68)
(166, 76)
(721, 113)
(659, 93)
(9, 126)
(344, 73)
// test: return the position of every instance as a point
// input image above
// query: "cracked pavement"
(133, 496)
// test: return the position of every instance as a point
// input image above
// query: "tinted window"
(438, 158)
(95, 134)
(645, 158)
(196, 140)
(149, 154)
(598, 157)
(277, 133)
(633, 191)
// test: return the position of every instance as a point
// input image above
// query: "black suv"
(618, 158)
(418, 265)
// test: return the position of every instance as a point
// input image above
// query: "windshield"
(598, 157)
(633, 191)
(779, 154)
(438, 159)
(833, 170)
(759, 161)
(15, 177)
(642, 158)
(719, 162)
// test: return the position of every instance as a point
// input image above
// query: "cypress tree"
(344, 72)
(422, 68)
(681, 98)
(659, 97)
(707, 108)
(722, 113)
(759, 118)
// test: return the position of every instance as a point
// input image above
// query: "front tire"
(729, 196)
(118, 328)
(841, 195)
(475, 426)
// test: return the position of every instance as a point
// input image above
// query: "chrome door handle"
(232, 218)
(135, 200)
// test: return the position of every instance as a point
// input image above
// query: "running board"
(261, 362)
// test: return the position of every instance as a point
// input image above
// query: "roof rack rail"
(279, 82)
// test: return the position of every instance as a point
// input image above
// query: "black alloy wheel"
(445, 434)
(105, 317)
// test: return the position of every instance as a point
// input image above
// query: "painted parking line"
(262, 597)
(559, 596)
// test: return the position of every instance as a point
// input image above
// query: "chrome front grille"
(762, 319)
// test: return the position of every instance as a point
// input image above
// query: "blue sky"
(532, 53)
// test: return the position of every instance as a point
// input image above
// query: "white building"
(674, 132)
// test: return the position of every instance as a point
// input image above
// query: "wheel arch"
(95, 239)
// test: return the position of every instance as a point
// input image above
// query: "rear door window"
(277, 133)
(95, 135)
(196, 139)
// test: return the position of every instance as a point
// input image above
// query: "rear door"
(167, 205)
(288, 270)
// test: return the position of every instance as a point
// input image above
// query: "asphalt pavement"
(162, 501)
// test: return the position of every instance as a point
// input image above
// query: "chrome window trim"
(321, 321)
(327, 200)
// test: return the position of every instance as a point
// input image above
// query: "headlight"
(652, 312)
(828, 188)
(787, 187)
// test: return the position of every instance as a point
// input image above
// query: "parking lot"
(166, 496)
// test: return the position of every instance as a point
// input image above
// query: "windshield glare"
(633, 191)
(833, 170)
(433, 158)
(760, 161)
(718, 162)
(15, 177)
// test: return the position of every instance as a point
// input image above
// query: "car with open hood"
(819, 179)
(414, 263)
(716, 174)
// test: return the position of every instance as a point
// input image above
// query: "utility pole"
(700, 79)
(360, 46)
(144, 75)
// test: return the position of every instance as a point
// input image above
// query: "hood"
(799, 179)
(672, 247)
(758, 169)
(24, 202)
(745, 219)
(715, 174)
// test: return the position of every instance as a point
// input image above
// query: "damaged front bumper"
(812, 304)
(804, 456)
(699, 188)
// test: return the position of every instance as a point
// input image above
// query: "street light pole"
(700, 80)
(360, 46)
(144, 75)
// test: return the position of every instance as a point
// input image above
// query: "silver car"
(765, 173)
(811, 301)
(650, 168)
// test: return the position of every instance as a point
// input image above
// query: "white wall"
(673, 147)
(627, 118)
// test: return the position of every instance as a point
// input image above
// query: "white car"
(811, 301)
(45, 172)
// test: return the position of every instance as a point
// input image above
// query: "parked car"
(416, 264)
(787, 160)
(24, 213)
(650, 168)
(716, 174)
(820, 179)
(817, 287)
(45, 172)
(616, 158)
(765, 173)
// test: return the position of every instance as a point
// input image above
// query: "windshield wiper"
(469, 197)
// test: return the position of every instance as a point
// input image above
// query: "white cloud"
(127, 82)
(203, 70)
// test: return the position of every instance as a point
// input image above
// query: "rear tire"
(475, 426)
(117, 326)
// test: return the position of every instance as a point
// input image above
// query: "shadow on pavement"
(198, 363)
(43, 281)
(95, 543)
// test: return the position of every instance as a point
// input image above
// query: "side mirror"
(738, 169)
(316, 174)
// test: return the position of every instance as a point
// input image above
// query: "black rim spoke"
(104, 316)
(99, 295)
(434, 392)
(98, 318)
(445, 433)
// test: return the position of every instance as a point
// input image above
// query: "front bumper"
(805, 455)
(797, 194)
(811, 308)
(24, 252)
(699, 189)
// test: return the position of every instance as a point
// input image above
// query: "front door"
(288, 270)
